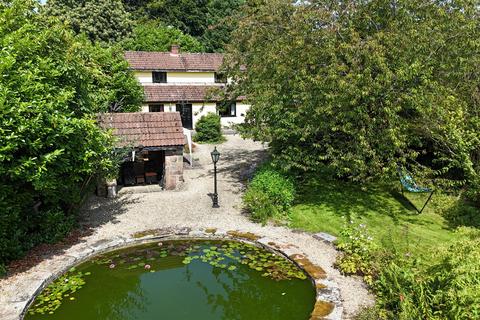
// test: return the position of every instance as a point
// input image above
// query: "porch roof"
(178, 93)
(149, 129)
(183, 93)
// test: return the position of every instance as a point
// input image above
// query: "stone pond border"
(328, 304)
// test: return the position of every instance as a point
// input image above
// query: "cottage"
(184, 82)
(154, 146)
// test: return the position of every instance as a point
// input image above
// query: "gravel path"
(190, 206)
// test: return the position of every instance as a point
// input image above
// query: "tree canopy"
(105, 21)
(363, 86)
(53, 83)
(209, 21)
(155, 36)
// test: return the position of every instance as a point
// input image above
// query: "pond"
(180, 280)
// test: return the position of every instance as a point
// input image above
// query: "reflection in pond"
(180, 280)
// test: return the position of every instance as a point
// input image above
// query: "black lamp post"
(215, 156)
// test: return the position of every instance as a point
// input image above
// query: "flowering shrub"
(358, 251)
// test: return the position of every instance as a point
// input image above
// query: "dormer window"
(159, 77)
(220, 78)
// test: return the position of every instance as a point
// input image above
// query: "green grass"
(390, 217)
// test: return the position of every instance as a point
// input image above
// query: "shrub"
(368, 313)
(55, 225)
(208, 129)
(270, 194)
(52, 86)
(457, 211)
(358, 252)
(446, 288)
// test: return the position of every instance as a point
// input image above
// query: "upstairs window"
(155, 107)
(159, 77)
(228, 109)
(220, 78)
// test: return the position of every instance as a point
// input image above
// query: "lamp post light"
(215, 156)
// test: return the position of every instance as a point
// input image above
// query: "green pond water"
(180, 280)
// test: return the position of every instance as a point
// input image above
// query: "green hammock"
(410, 185)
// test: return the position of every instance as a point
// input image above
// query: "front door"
(185, 110)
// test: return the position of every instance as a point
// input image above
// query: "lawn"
(391, 219)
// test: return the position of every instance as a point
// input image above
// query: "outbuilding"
(153, 147)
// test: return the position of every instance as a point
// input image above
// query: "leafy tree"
(190, 16)
(117, 88)
(154, 36)
(363, 86)
(222, 16)
(51, 149)
(210, 21)
(105, 20)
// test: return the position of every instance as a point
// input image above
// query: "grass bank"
(325, 205)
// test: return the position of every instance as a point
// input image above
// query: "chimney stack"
(175, 49)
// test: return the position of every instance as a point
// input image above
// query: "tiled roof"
(182, 93)
(174, 93)
(150, 129)
(143, 60)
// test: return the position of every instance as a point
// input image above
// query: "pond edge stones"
(328, 304)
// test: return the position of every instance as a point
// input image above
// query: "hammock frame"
(408, 183)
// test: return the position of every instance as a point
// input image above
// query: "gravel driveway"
(190, 206)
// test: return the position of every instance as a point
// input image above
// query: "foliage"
(222, 16)
(445, 289)
(419, 258)
(269, 194)
(210, 21)
(155, 36)
(457, 211)
(54, 225)
(368, 313)
(117, 89)
(363, 86)
(51, 150)
(105, 21)
(62, 288)
(358, 251)
(208, 129)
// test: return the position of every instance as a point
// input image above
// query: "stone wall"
(173, 173)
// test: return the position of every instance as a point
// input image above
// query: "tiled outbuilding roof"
(167, 61)
(149, 129)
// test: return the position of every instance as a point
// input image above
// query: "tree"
(154, 36)
(210, 21)
(362, 86)
(190, 16)
(222, 17)
(105, 21)
(52, 86)
(117, 88)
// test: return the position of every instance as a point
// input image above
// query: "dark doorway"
(185, 110)
(146, 169)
